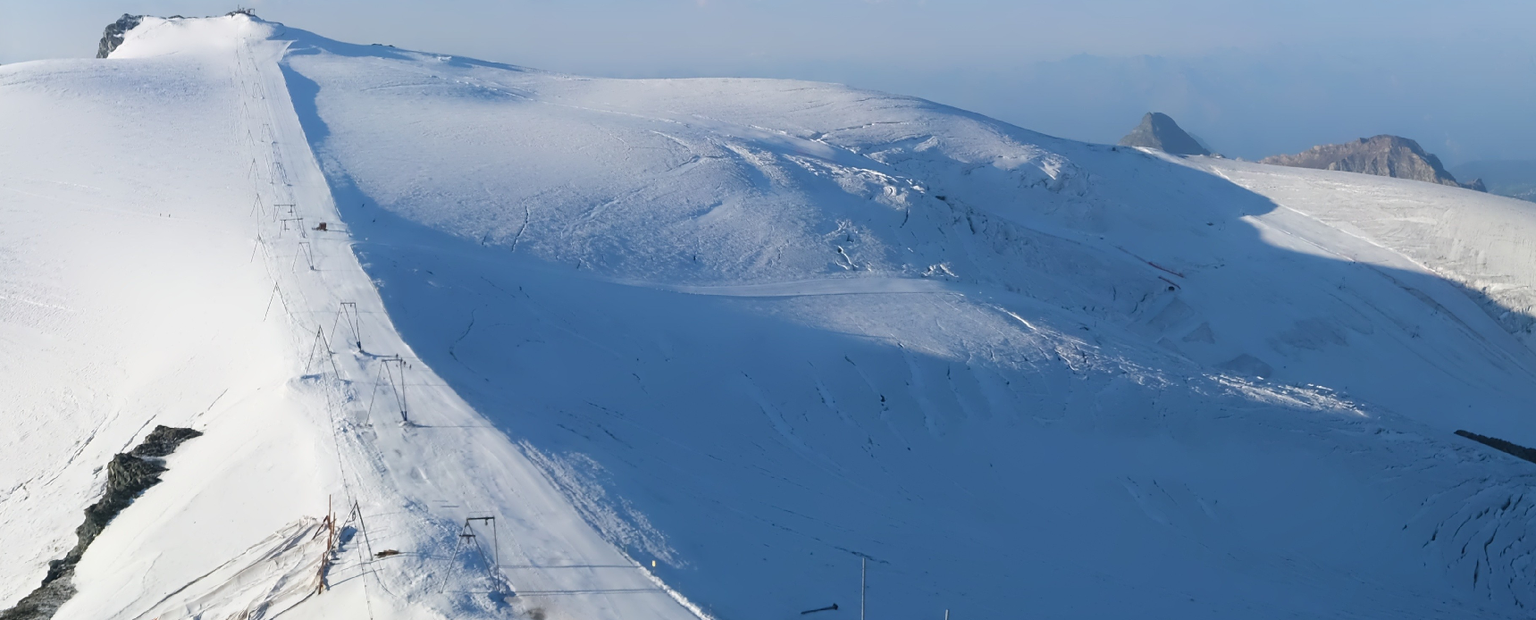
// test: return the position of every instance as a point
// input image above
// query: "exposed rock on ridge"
(128, 475)
(1158, 131)
(1387, 156)
(113, 35)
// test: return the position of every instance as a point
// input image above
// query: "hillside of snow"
(701, 347)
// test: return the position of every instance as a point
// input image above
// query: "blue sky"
(1251, 78)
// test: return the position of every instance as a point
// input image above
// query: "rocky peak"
(113, 35)
(1387, 156)
(1158, 131)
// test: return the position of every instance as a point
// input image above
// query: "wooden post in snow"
(330, 546)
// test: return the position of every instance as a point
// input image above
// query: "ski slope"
(172, 283)
(702, 346)
(785, 324)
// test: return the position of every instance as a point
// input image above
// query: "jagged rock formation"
(1158, 131)
(1387, 156)
(128, 475)
(113, 35)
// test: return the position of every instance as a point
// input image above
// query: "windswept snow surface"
(743, 331)
(161, 265)
(755, 330)
(128, 299)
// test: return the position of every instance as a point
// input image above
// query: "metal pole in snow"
(863, 581)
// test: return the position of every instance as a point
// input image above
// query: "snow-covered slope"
(158, 271)
(128, 298)
(702, 346)
(786, 324)
(1478, 242)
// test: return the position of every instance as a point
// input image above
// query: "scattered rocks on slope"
(113, 35)
(128, 475)
(1387, 156)
(1158, 131)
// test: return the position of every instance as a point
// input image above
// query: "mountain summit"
(1387, 156)
(1158, 131)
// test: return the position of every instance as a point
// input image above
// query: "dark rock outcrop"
(1387, 156)
(1513, 449)
(113, 35)
(1158, 131)
(163, 440)
(128, 475)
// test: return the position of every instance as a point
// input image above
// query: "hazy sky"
(1251, 78)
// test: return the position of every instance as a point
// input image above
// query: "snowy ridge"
(740, 331)
(493, 478)
(118, 270)
(1470, 240)
(788, 324)
(327, 432)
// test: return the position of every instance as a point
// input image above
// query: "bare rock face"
(128, 475)
(113, 35)
(1387, 156)
(1158, 131)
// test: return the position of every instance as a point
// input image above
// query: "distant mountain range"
(1387, 156)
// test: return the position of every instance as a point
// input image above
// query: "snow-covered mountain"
(703, 347)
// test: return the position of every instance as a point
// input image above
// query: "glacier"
(704, 347)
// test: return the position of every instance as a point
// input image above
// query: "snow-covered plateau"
(566, 348)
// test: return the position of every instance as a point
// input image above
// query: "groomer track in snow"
(700, 347)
